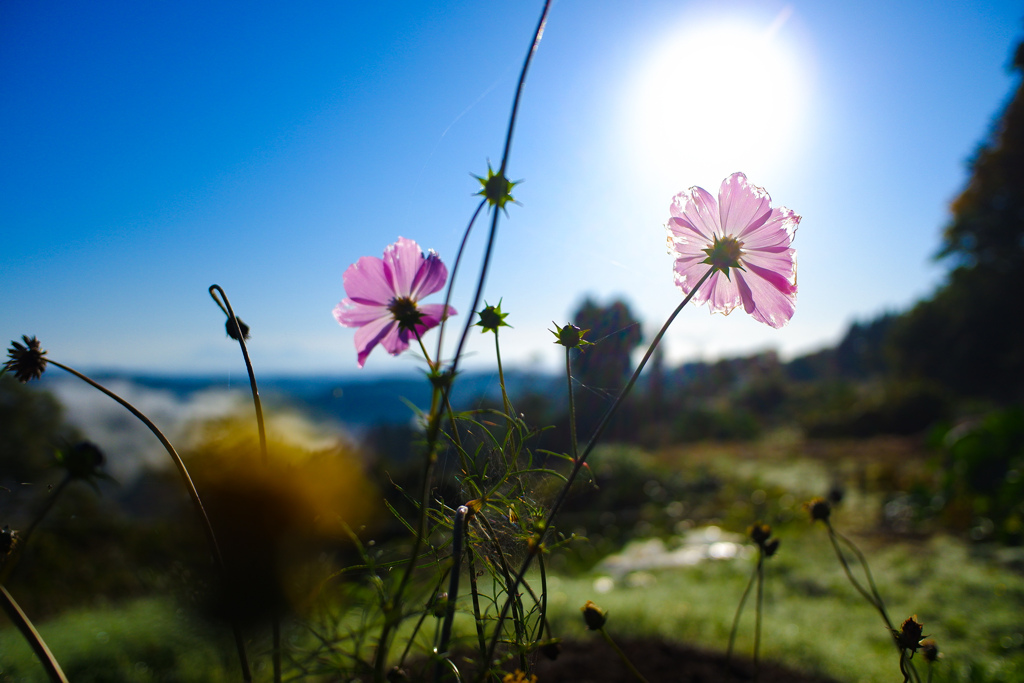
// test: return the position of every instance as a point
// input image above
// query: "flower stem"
(537, 34)
(573, 443)
(192, 492)
(739, 611)
(586, 452)
(230, 313)
(622, 655)
(458, 534)
(759, 612)
(275, 619)
(393, 604)
(35, 641)
(12, 559)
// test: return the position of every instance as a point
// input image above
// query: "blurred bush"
(278, 523)
(983, 476)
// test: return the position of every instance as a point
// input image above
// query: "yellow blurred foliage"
(276, 520)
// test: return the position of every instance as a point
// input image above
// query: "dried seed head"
(26, 361)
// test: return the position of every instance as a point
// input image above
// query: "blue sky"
(152, 149)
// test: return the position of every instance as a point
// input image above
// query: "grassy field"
(969, 597)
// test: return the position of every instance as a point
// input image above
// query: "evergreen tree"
(970, 335)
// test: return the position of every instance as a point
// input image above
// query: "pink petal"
(766, 303)
(402, 262)
(370, 335)
(697, 210)
(688, 272)
(366, 282)
(352, 314)
(396, 340)
(723, 295)
(779, 229)
(430, 277)
(432, 314)
(778, 267)
(743, 206)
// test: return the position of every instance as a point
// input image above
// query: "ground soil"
(659, 662)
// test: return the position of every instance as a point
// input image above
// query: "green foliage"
(984, 475)
(146, 641)
(31, 429)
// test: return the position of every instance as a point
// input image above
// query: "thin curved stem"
(758, 613)
(233, 320)
(455, 270)
(739, 611)
(275, 619)
(590, 447)
(35, 641)
(7, 566)
(537, 34)
(192, 492)
(622, 655)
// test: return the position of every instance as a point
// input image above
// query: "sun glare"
(717, 97)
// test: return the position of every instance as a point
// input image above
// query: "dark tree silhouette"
(601, 369)
(614, 333)
(970, 335)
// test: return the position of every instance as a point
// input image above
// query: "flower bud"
(594, 616)
(910, 634)
(551, 650)
(237, 333)
(491, 318)
(569, 336)
(82, 460)
(819, 509)
(759, 533)
(930, 650)
(8, 539)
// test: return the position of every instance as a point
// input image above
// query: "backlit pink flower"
(384, 294)
(745, 239)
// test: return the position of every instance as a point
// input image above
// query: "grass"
(143, 641)
(814, 619)
(969, 600)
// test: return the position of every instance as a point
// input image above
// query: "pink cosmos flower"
(384, 294)
(745, 239)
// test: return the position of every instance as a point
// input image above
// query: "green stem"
(739, 611)
(275, 619)
(590, 447)
(393, 604)
(537, 34)
(458, 534)
(192, 492)
(477, 614)
(226, 307)
(760, 611)
(501, 380)
(622, 655)
(573, 443)
(12, 558)
(35, 641)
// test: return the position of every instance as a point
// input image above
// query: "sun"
(717, 97)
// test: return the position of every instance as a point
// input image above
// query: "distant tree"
(970, 335)
(614, 332)
(31, 429)
(604, 367)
